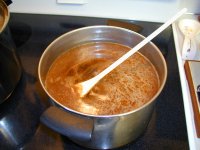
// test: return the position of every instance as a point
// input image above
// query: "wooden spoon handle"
(84, 87)
(138, 46)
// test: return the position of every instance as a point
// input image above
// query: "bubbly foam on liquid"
(127, 87)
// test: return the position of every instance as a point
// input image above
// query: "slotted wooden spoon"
(83, 88)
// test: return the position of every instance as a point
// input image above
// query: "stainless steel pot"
(93, 131)
(10, 69)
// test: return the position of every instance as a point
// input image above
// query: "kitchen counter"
(33, 33)
(194, 140)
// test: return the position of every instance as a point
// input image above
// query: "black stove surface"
(32, 34)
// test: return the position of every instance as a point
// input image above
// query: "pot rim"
(103, 116)
(5, 15)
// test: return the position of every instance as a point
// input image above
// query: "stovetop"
(32, 34)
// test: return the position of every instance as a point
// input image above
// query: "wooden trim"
(193, 97)
(123, 24)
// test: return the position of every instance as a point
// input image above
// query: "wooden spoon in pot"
(83, 88)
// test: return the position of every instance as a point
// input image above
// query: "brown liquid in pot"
(127, 87)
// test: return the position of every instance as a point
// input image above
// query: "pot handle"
(70, 125)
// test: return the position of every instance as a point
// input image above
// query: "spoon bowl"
(190, 29)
